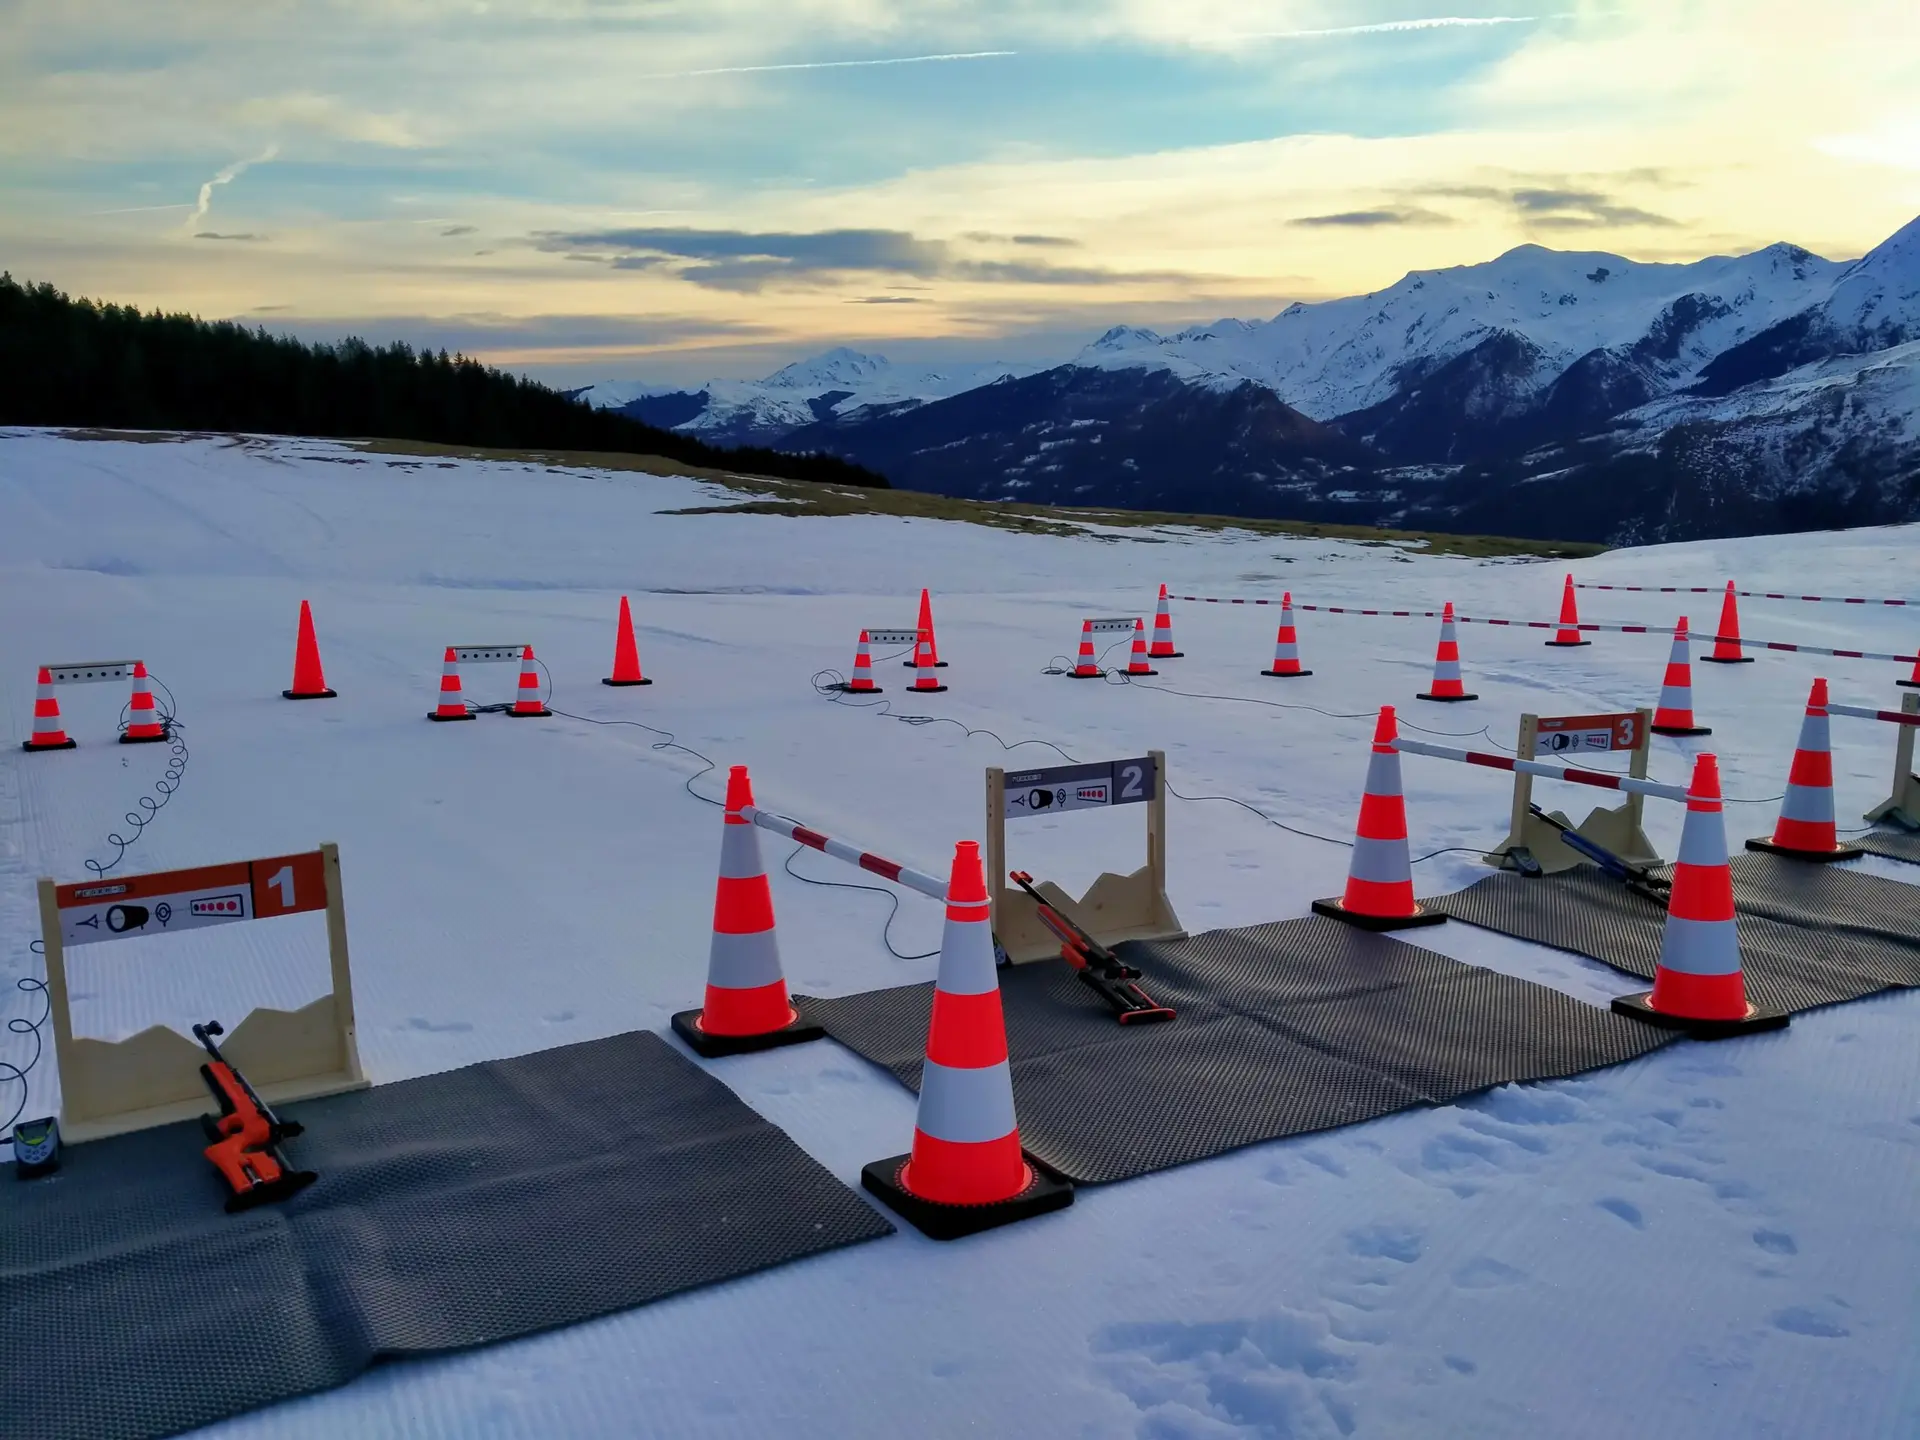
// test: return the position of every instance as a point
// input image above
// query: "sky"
(672, 190)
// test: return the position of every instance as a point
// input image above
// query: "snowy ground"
(1714, 1241)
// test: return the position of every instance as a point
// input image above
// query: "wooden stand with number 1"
(153, 1078)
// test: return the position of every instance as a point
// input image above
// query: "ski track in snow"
(1711, 1241)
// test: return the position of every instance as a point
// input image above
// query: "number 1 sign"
(153, 1078)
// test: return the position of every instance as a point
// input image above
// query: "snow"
(1870, 397)
(1713, 1241)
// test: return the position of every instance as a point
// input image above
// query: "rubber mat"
(1894, 844)
(1804, 951)
(452, 1210)
(1283, 1029)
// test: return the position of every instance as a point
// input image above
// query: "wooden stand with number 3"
(153, 1078)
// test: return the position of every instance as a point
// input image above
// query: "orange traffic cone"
(1163, 631)
(1446, 664)
(1698, 985)
(1569, 632)
(48, 732)
(527, 704)
(966, 1171)
(925, 682)
(1805, 830)
(746, 1005)
(1286, 644)
(309, 680)
(1087, 666)
(144, 725)
(1674, 714)
(924, 626)
(453, 704)
(1379, 893)
(862, 682)
(1726, 640)
(626, 654)
(1137, 658)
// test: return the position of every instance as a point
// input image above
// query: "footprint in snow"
(1775, 1242)
(1805, 1320)
(1386, 1242)
(1486, 1273)
(1625, 1209)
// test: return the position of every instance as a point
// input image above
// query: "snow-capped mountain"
(1544, 308)
(1573, 395)
(834, 383)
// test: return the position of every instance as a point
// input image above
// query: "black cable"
(666, 742)
(886, 931)
(21, 1025)
(146, 807)
(1120, 677)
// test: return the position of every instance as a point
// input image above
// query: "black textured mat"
(1810, 935)
(1284, 1028)
(452, 1210)
(1894, 844)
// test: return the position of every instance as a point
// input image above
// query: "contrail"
(1384, 27)
(225, 177)
(827, 64)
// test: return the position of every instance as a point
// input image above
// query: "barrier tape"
(1861, 712)
(876, 864)
(1693, 635)
(1599, 779)
(1744, 594)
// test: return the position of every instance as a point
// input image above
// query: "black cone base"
(1727, 660)
(844, 688)
(1089, 675)
(1566, 644)
(712, 1047)
(1166, 655)
(1817, 857)
(922, 690)
(145, 739)
(910, 665)
(1446, 699)
(1131, 671)
(1681, 729)
(626, 682)
(63, 745)
(1757, 1020)
(541, 714)
(1286, 674)
(443, 719)
(309, 694)
(1910, 684)
(1334, 910)
(950, 1222)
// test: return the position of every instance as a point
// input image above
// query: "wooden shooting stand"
(153, 1078)
(1617, 830)
(1115, 907)
(1902, 807)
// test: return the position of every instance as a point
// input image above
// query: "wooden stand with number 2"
(153, 1078)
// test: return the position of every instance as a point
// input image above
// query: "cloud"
(214, 235)
(226, 177)
(331, 116)
(828, 64)
(987, 237)
(1396, 27)
(1580, 210)
(459, 230)
(886, 300)
(1368, 219)
(746, 261)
